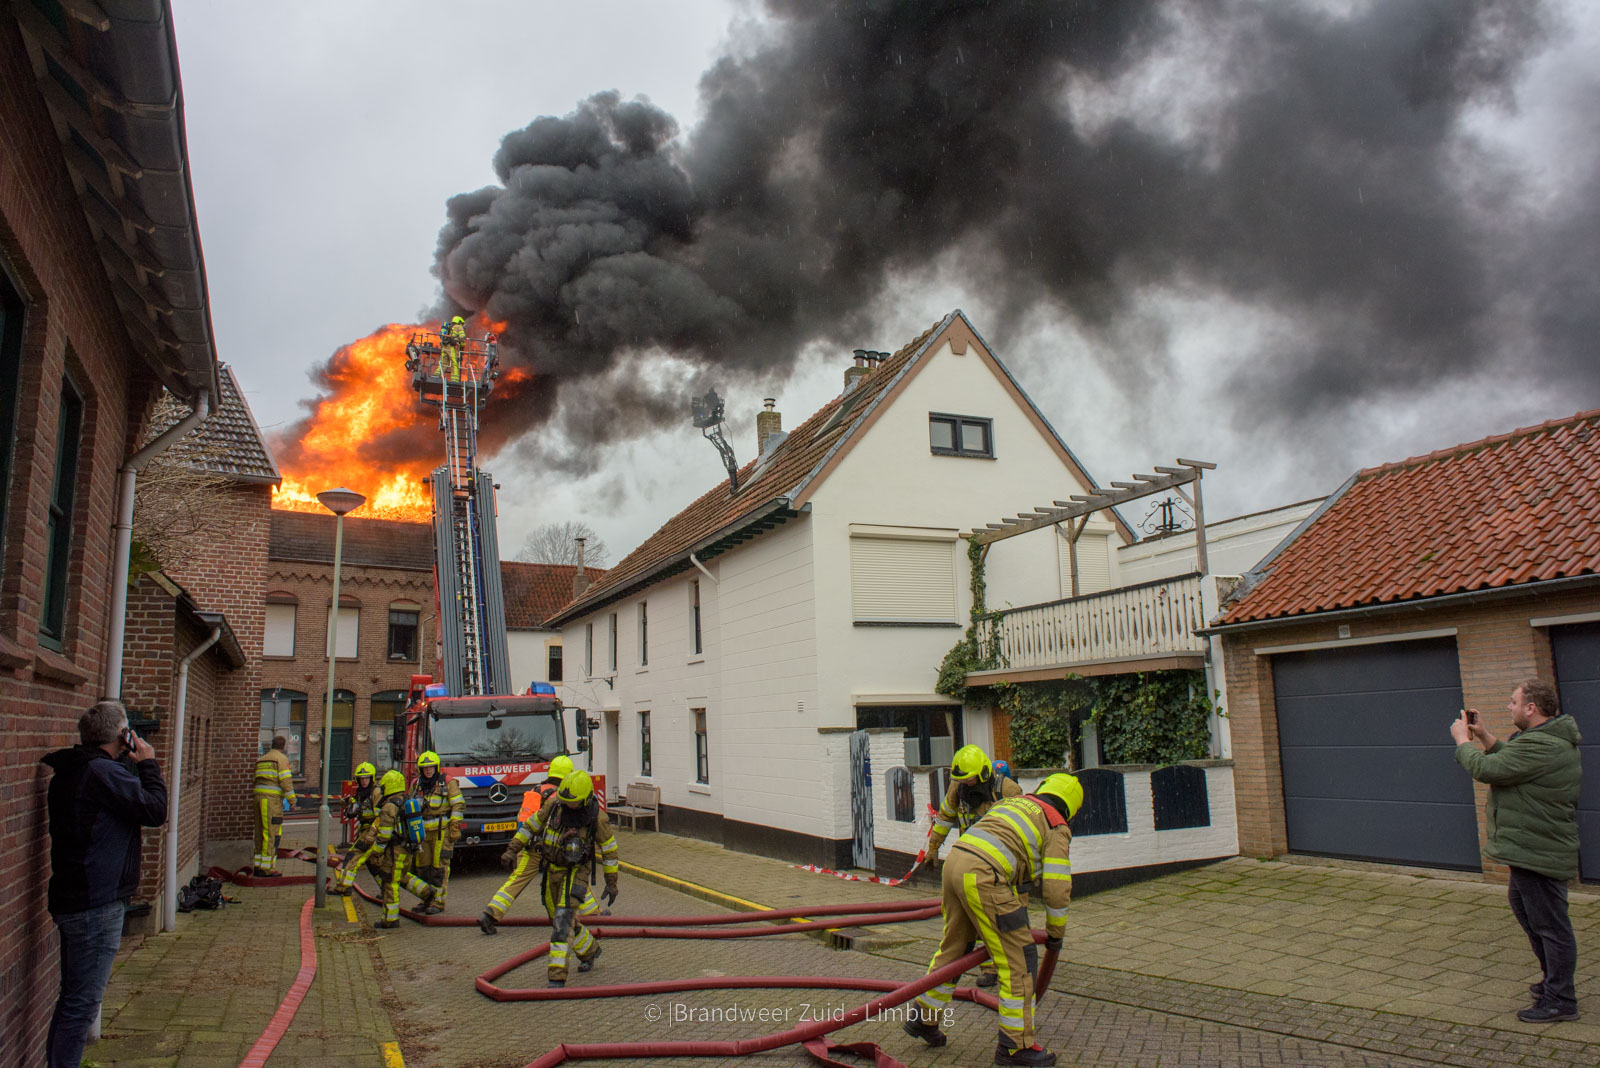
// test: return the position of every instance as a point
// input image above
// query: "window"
(553, 659)
(694, 617)
(588, 650)
(349, 628)
(58, 524)
(10, 375)
(960, 435)
(279, 637)
(644, 634)
(403, 632)
(702, 751)
(386, 708)
(1094, 567)
(613, 643)
(932, 733)
(284, 712)
(644, 743)
(903, 580)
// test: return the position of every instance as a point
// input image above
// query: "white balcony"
(1148, 627)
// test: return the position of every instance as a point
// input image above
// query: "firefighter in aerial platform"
(452, 340)
(389, 847)
(274, 795)
(975, 786)
(522, 862)
(1021, 840)
(569, 836)
(362, 807)
(446, 811)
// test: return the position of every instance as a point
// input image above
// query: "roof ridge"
(1451, 451)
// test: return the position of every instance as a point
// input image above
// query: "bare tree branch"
(556, 543)
(182, 497)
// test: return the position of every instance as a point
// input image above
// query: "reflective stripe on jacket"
(1018, 842)
(274, 777)
(953, 814)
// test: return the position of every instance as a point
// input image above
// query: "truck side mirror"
(582, 724)
(583, 745)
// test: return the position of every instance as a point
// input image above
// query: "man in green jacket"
(1533, 829)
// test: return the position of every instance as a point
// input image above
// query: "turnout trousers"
(981, 905)
(525, 872)
(564, 890)
(392, 871)
(269, 829)
(433, 864)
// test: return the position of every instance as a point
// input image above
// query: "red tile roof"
(1511, 509)
(533, 592)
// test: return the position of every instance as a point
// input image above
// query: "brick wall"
(71, 325)
(1497, 649)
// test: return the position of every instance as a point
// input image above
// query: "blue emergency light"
(543, 689)
(437, 689)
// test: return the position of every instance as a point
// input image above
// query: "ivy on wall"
(967, 655)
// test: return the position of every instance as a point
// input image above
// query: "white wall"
(530, 661)
(1233, 546)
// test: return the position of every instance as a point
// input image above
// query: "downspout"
(169, 888)
(695, 560)
(128, 477)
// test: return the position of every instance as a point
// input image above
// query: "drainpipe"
(169, 891)
(111, 686)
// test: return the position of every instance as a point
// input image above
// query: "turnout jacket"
(363, 808)
(380, 836)
(549, 834)
(1024, 843)
(955, 813)
(1533, 782)
(447, 808)
(275, 779)
(97, 806)
(528, 828)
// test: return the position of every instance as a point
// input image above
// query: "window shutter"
(349, 630)
(279, 638)
(1094, 566)
(902, 580)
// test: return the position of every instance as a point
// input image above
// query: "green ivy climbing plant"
(967, 655)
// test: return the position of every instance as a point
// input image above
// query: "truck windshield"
(470, 739)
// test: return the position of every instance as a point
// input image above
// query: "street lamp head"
(341, 501)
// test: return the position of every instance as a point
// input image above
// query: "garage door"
(1368, 766)
(1577, 653)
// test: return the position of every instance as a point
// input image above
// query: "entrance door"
(339, 759)
(613, 755)
(1577, 655)
(1368, 765)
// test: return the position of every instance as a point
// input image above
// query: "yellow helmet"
(560, 768)
(971, 765)
(457, 319)
(430, 759)
(393, 782)
(1067, 788)
(366, 769)
(576, 789)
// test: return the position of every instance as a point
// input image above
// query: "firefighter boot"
(586, 965)
(486, 923)
(387, 925)
(988, 978)
(1035, 1056)
(928, 1032)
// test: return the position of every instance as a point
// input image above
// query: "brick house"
(1419, 587)
(102, 303)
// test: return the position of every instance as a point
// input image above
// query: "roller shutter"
(1094, 564)
(1577, 656)
(902, 580)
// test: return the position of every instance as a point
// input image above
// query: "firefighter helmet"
(393, 782)
(1002, 768)
(560, 768)
(366, 769)
(1065, 787)
(456, 319)
(971, 765)
(430, 759)
(576, 788)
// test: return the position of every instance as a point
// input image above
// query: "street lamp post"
(339, 502)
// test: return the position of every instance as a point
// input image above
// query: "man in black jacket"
(97, 803)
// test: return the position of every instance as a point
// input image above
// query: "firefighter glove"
(446, 853)
(1052, 945)
(508, 859)
(610, 896)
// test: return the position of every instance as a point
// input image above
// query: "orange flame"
(368, 431)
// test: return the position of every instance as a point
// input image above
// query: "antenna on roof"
(707, 414)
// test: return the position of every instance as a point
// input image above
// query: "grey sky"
(326, 141)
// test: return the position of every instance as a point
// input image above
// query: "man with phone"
(1533, 782)
(103, 791)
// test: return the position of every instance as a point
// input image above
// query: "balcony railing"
(1151, 619)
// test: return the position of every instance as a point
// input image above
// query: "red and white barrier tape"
(850, 877)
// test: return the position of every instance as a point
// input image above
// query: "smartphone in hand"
(1472, 716)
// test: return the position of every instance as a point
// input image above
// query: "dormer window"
(960, 435)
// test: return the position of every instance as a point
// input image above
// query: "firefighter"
(568, 837)
(389, 846)
(1021, 840)
(274, 790)
(446, 811)
(522, 863)
(974, 788)
(362, 807)
(452, 337)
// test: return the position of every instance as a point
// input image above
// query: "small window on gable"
(960, 435)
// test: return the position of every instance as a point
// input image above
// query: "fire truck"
(497, 744)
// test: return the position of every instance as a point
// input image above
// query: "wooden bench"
(641, 801)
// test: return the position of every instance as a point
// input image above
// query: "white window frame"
(267, 636)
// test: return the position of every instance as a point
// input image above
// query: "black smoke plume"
(1316, 160)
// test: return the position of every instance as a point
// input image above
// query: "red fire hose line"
(279, 1024)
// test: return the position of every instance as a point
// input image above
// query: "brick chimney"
(768, 423)
(863, 364)
(580, 577)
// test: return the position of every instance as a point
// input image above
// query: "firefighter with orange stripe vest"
(975, 785)
(389, 847)
(274, 794)
(447, 810)
(523, 863)
(569, 836)
(1021, 840)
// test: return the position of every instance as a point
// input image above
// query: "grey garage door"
(1368, 765)
(1577, 653)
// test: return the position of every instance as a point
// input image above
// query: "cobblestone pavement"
(1240, 963)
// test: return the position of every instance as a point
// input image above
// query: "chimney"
(580, 577)
(853, 375)
(768, 423)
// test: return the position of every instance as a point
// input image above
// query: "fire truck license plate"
(487, 827)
